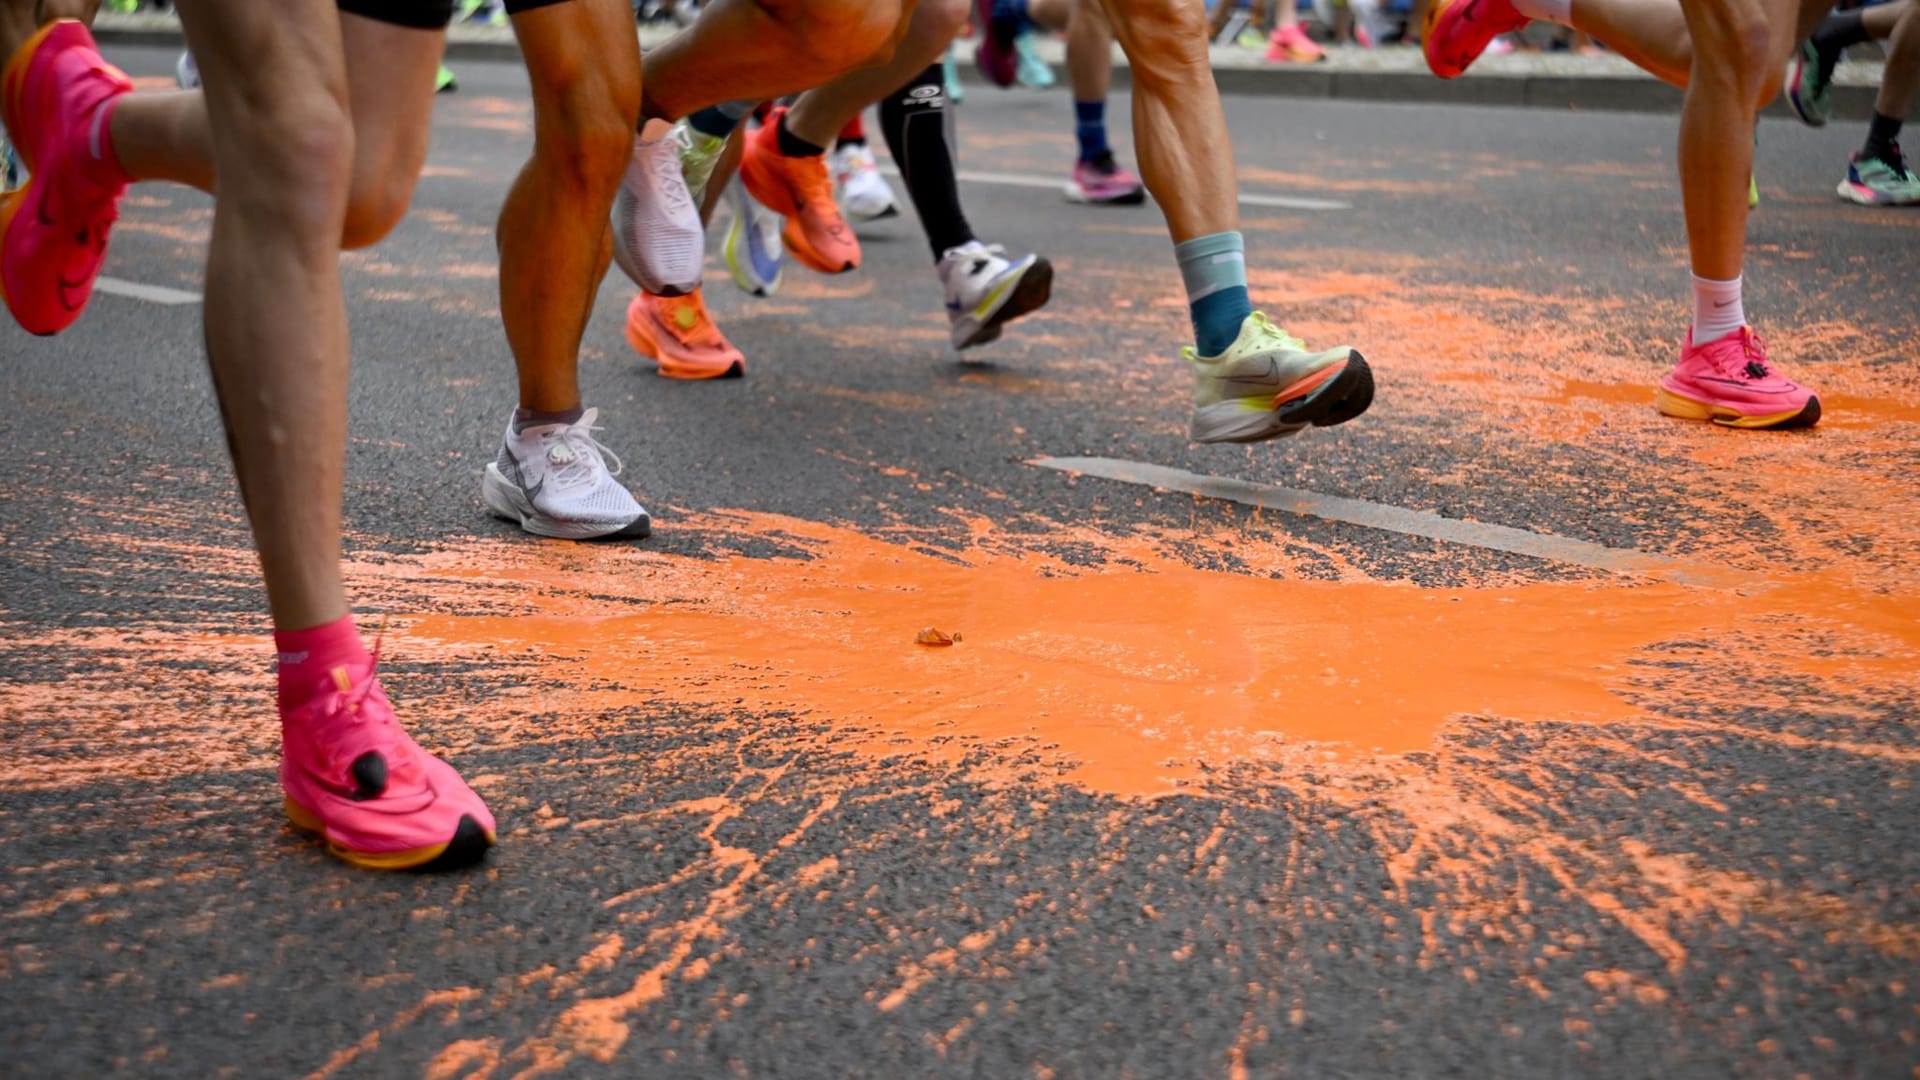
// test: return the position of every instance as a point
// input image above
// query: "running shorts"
(424, 14)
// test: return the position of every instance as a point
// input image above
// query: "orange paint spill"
(1137, 678)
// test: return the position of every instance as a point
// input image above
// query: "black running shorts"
(424, 14)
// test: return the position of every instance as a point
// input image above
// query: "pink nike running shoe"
(353, 776)
(1730, 382)
(1105, 182)
(56, 95)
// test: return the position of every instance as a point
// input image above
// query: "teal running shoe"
(1028, 69)
(1809, 86)
(1874, 181)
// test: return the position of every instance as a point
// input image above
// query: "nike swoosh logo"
(1271, 377)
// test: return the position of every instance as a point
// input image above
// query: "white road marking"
(153, 294)
(1055, 183)
(1373, 515)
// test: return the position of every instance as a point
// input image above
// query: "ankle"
(306, 656)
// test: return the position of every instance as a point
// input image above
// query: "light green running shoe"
(1028, 69)
(1251, 39)
(699, 153)
(444, 82)
(1267, 386)
(1808, 88)
(1873, 181)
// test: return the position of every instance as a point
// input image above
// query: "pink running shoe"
(353, 776)
(1104, 183)
(995, 54)
(56, 95)
(1730, 382)
(1458, 31)
(1290, 44)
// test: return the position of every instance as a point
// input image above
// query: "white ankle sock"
(1558, 12)
(1717, 309)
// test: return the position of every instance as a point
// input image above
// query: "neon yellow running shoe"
(1267, 386)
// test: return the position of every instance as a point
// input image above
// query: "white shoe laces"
(573, 453)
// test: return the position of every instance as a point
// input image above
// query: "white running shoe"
(985, 291)
(657, 236)
(752, 248)
(553, 480)
(186, 72)
(858, 186)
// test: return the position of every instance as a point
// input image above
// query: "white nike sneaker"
(1266, 385)
(657, 236)
(858, 186)
(985, 291)
(553, 480)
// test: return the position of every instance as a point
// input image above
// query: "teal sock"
(1215, 270)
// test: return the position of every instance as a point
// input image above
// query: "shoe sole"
(1077, 194)
(467, 846)
(641, 338)
(1862, 195)
(804, 253)
(1686, 408)
(1331, 396)
(1027, 295)
(508, 504)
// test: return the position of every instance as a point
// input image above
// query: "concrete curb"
(1602, 90)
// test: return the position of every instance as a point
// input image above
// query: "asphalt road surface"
(1512, 729)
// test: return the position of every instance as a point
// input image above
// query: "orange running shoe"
(680, 336)
(801, 189)
(56, 93)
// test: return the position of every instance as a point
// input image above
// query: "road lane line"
(153, 294)
(1055, 183)
(1560, 549)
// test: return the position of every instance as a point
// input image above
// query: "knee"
(943, 19)
(1737, 50)
(583, 129)
(1160, 37)
(840, 35)
(299, 154)
(375, 204)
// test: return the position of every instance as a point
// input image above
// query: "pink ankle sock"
(306, 655)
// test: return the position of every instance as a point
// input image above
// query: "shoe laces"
(1896, 161)
(1741, 355)
(353, 718)
(1267, 329)
(574, 456)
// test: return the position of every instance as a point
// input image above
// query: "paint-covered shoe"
(553, 480)
(56, 95)
(1881, 181)
(1730, 382)
(1029, 70)
(680, 336)
(985, 291)
(353, 776)
(1266, 385)
(1458, 31)
(1105, 183)
(1809, 82)
(752, 245)
(658, 238)
(862, 192)
(799, 189)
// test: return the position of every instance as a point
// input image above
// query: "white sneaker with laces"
(553, 480)
(985, 291)
(861, 191)
(658, 239)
